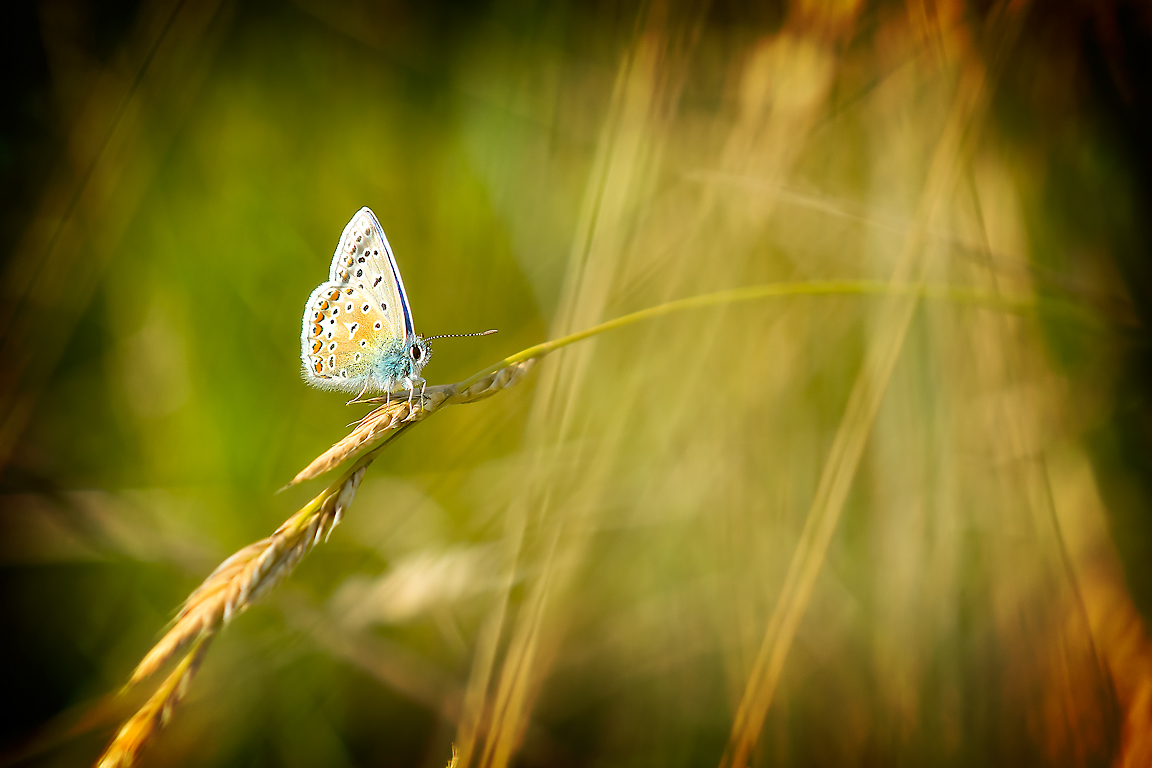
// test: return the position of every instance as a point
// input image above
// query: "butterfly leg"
(357, 398)
(411, 382)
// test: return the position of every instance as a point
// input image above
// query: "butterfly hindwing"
(345, 334)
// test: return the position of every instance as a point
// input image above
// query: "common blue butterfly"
(357, 330)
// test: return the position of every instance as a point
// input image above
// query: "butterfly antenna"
(488, 332)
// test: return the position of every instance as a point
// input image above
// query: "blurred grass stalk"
(127, 118)
(952, 152)
(639, 238)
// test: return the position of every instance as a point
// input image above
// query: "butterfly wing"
(365, 258)
(344, 334)
(360, 316)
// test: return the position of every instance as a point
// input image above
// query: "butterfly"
(357, 332)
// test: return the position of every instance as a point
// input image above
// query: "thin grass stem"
(971, 296)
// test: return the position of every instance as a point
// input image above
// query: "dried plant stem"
(236, 584)
(154, 714)
(389, 420)
(247, 575)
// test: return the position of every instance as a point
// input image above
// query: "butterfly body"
(358, 334)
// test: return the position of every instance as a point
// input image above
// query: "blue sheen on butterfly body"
(397, 367)
(390, 367)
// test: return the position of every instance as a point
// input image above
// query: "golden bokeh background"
(899, 531)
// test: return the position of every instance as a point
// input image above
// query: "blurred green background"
(616, 531)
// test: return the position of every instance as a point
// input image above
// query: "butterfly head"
(418, 352)
(401, 362)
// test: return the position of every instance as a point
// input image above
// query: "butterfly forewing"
(364, 258)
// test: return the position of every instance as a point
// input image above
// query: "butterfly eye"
(416, 352)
